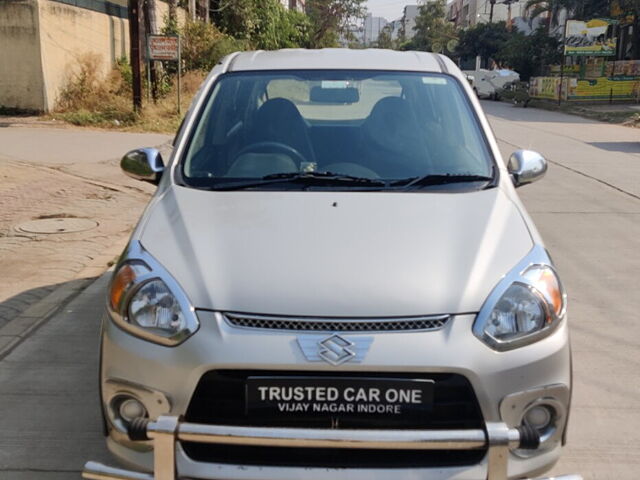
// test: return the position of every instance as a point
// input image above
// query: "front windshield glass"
(361, 129)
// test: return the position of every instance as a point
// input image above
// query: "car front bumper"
(165, 380)
(167, 431)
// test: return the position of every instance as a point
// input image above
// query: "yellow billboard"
(589, 38)
(598, 89)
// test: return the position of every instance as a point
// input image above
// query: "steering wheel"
(273, 147)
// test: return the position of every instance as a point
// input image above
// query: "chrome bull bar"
(166, 431)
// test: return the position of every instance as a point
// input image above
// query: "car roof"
(336, 59)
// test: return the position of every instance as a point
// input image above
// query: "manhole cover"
(57, 225)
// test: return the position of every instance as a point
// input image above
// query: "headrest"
(392, 125)
(277, 110)
(278, 120)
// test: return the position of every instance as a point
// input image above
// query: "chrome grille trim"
(314, 324)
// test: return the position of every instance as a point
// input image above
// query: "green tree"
(332, 19)
(528, 54)
(278, 27)
(203, 45)
(432, 30)
(483, 39)
(385, 39)
(263, 24)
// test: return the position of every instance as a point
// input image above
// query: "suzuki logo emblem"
(336, 350)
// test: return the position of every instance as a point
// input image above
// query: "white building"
(372, 28)
(396, 28)
(411, 12)
(467, 13)
(294, 4)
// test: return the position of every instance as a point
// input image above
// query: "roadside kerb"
(18, 329)
(13, 333)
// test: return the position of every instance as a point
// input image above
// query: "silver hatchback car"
(335, 279)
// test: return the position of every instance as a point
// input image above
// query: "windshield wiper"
(330, 176)
(429, 180)
(307, 178)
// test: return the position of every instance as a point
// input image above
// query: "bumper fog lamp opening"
(130, 408)
(545, 418)
(539, 417)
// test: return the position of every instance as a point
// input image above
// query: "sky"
(389, 9)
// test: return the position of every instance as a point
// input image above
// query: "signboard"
(167, 48)
(164, 47)
(589, 39)
(600, 89)
(355, 400)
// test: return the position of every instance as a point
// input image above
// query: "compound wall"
(42, 43)
(21, 79)
(67, 33)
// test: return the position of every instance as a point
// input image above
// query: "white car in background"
(335, 280)
(489, 83)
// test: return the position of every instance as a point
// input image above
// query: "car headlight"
(147, 302)
(526, 306)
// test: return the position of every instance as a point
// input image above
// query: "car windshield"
(315, 129)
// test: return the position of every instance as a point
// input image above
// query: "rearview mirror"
(143, 164)
(334, 95)
(526, 167)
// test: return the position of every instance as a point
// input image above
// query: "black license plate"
(399, 400)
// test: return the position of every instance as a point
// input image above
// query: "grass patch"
(634, 121)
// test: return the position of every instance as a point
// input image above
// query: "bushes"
(88, 99)
(91, 99)
(203, 45)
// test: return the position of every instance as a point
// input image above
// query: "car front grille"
(220, 397)
(311, 324)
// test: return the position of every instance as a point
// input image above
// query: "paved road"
(587, 209)
(588, 212)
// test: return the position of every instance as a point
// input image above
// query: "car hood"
(346, 254)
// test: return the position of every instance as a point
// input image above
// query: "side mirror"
(143, 164)
(526, 167)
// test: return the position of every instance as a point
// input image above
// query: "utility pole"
(134, 42)
(492, 2)
(151, 28)
(564, 60)
(509, 20)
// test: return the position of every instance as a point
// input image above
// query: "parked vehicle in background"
(335, 280)
(502, 78)
(472, 82)
(483, 87)
(489, 83)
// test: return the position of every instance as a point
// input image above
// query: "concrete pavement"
(601, 151)
(61, 175)
(588, 211)
(89, 154)
(49, 418)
